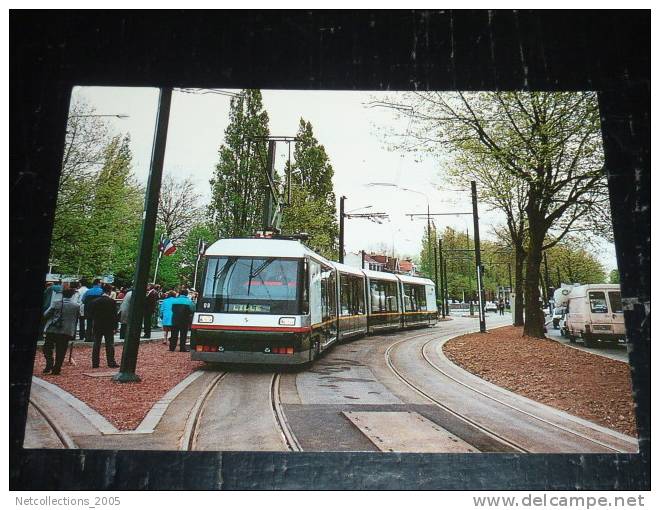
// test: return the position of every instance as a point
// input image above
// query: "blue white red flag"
(166, 247)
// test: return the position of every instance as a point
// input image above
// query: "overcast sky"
(348, 130)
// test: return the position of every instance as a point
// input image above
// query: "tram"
(275, 301)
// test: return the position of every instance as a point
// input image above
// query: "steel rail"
(436, 402)
(288, 436)
(189, 437)
(526, 413)
(63, 437)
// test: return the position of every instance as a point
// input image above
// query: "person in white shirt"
(82, 288)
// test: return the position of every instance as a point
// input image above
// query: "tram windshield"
(252, 285)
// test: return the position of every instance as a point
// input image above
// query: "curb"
(96, 419)
(510, 394)
(153, 417)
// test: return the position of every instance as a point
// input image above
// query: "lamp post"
(131, 344)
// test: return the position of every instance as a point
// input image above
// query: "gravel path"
(585, 385)
(124, 405)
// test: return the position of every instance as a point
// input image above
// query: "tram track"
(438, 403)
(285, 430)
(506, 404)
(498, 436)
(189, 437)
(62, 436)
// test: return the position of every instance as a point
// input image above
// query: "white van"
(595, 314)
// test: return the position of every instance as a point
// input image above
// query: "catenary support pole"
(341, 229)
(132, 342)
(428, 231)
(477, 256)
(442, 280)
(435, 267)
(268, 198)
(446, 297)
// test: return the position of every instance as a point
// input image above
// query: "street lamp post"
(131, 344)
(342, 199)
(477, 256)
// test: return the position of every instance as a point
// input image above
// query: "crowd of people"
(95, 313)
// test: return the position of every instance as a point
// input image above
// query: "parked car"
(490, 306)
(557, 315)
(594, 313)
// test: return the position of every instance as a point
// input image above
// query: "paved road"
(390, 392)
(617, 352)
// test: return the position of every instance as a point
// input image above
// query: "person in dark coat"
(104, 314)
(87, 299)
(61, 319)
(150, 303)
(182, 314)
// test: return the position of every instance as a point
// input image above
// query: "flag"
(166, 247)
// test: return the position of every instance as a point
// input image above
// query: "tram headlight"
(205, 318)
(287, 321)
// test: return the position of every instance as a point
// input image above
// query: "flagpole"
(160, 254)
(194, 285)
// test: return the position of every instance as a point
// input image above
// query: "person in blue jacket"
(166, 314)
(182, 313)
(87, 299)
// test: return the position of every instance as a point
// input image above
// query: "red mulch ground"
(123, 405)
(583, 384)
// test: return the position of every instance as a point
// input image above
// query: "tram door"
(328, 305)
(314, 292)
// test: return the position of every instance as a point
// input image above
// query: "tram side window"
(420, 293)
(346, 296)
(358, 295)
(410, 300)
(377, 290)
(332, 294)
(328, 294)
(391, 297)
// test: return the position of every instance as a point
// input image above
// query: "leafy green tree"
(115, 214)
(573, 263)
(313, 204)
(98, 218)
(239, 181)
(614, 276)
(85, 140)
(549, 142)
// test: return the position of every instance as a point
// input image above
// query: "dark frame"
(607, 51)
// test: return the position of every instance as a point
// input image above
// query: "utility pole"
(268, 199)
(428, 232)
(558, 277)
(442, 279)
(477, 256)
(132, 343)
(435, 265)
(446, 297)
(341, 229)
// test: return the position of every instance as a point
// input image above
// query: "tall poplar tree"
(239, 180)
(115, 213)
(313, 206)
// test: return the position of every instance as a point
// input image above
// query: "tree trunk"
(534, 320)
(518, 319)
